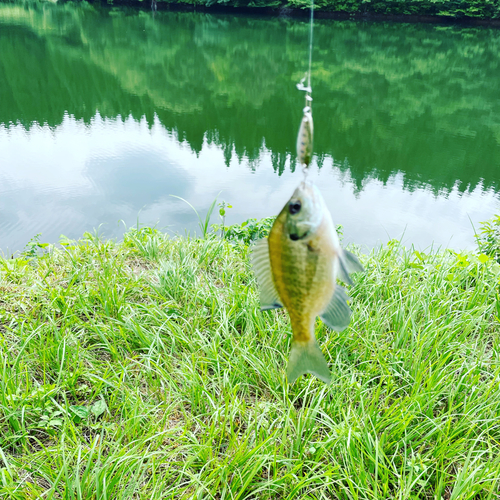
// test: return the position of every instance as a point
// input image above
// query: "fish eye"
(294, 207)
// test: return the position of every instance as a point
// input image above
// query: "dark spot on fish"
(310, 247)
(294, 207)
(294, 237)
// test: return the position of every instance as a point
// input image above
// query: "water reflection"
(75, 177)
(134, 109)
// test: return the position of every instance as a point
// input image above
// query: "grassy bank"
(144, 370)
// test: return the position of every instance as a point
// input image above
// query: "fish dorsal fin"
(349, 263)
(269, 298)
(337, 313)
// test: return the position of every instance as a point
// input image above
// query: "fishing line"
(310, 45)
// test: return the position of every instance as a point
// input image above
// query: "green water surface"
(106, 112)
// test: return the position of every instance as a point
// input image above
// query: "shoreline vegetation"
(144, 369)
(479, 12)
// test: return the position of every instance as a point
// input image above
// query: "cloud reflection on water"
(75, 177)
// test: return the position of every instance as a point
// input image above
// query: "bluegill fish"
(297, 267)
(305, 138)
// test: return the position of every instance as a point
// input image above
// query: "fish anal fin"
(337, 313)
(306, 357)
(270, 306)
(269, 298)
(349, 263)
(344, 273)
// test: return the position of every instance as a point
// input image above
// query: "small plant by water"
(203, 223)
(34, 247)
(488, 238)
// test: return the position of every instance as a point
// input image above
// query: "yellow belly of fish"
(304, 278)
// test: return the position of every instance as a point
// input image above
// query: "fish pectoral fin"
(337, 313)
(349, 263)
(306, 357)
(261, 263)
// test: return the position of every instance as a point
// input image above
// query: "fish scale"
(300, 284)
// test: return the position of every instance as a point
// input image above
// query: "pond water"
(107, 112)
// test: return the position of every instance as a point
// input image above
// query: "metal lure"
(305, 138)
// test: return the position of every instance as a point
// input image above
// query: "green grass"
(144, 370)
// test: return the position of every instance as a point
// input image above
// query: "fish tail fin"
(306, 357)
